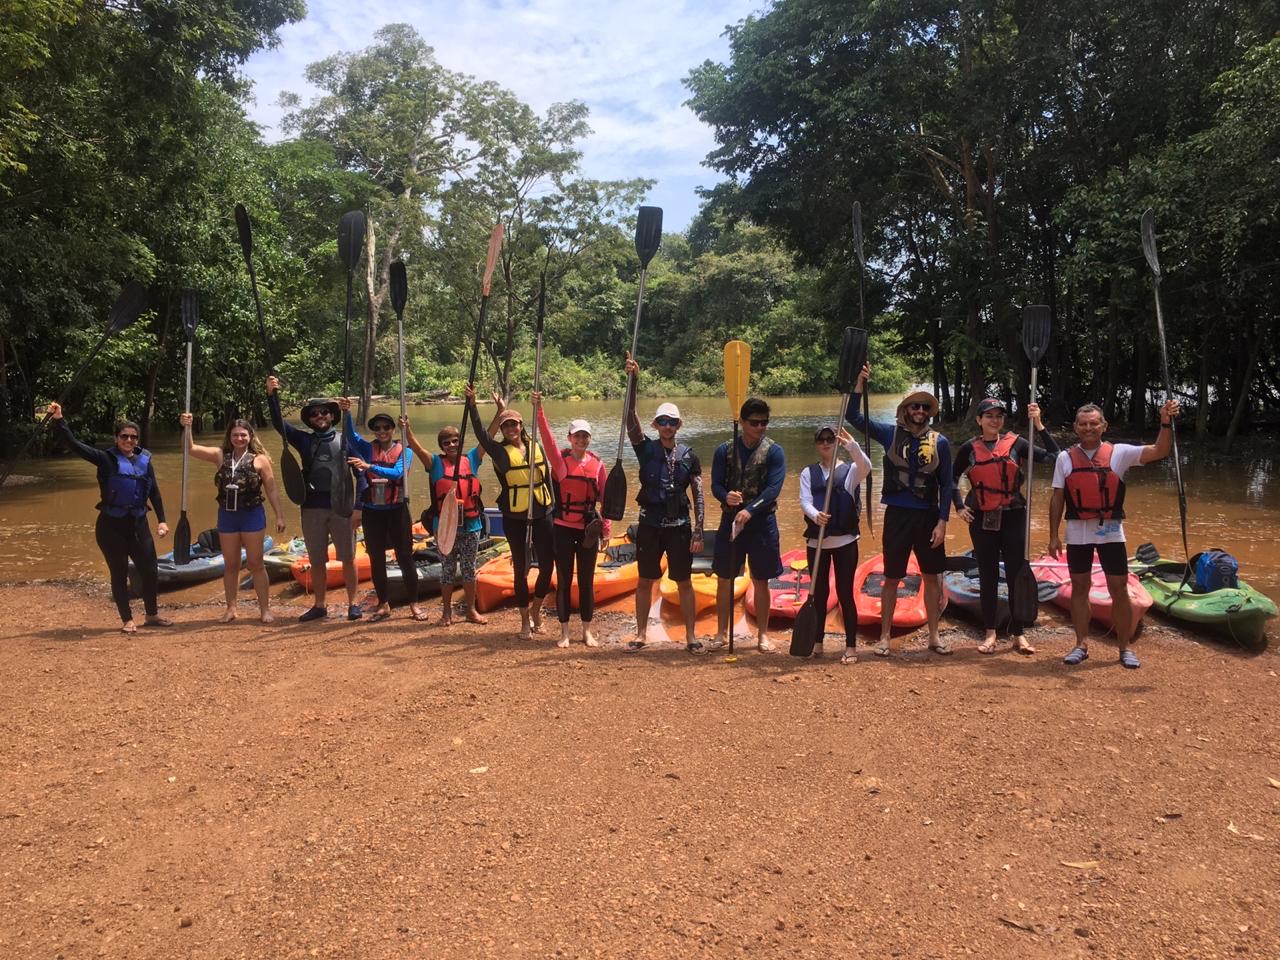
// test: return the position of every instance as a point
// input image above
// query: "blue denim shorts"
(757, 544)
(253, 520)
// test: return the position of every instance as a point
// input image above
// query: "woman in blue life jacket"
(126, 484)
(244, 480)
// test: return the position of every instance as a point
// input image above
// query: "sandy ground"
(393, 791)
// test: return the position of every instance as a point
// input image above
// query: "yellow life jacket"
(514, 497)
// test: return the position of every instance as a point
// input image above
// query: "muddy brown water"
(46, 527)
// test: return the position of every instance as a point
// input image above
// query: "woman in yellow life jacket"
(510, 459)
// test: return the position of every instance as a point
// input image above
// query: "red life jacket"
(394, 489)
(579, 492)
(994, 474)
(1092, 490)
(468, 493)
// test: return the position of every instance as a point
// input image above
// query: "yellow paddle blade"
(737, 374)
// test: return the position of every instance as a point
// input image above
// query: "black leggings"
(568, 546)
(390, 530)
(543, 549)
(990, 547)
(846, 560)
(122, 539)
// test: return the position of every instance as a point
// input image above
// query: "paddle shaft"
(186, 446)
(866, 402)
(404, 446)
(635, 345)
(471, 379)
(1031, 459)
(826, 497)
(733, 606)
(533, 453)
(1168, 389)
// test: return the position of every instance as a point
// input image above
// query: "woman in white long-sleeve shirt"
(838, 528)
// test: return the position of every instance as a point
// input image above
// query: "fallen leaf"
(1080, 864)
(1274, 782)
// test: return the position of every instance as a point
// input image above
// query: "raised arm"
(82, 450)
(412, 442)
(1051, 448)
(634, 431)
(362, 447)
(861, 463)
(549, 447)
(882, 432)
(1164, 442)
(211, 454)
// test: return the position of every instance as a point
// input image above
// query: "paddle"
(182, 535)
(853, 352)
(862, 318)
(127, 308)
(1153, 261)
(399, 296)
(737, 376)
(648, 237)
(1024, 592)
(533, 434)
(295, 487)
(447, 524)
(350, 243)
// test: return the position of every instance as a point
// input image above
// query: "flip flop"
(1077, 656)
(421, 616)
(848, 656)
(1129, 660)
(987, 646)
(881, 649)
(379, 615)
(941, 648)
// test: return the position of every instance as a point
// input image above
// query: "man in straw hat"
(320, 448)
(917, 499)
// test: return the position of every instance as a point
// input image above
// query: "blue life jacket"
(125, 493)
(663, 486)
(846, 507)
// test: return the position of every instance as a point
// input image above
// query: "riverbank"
(387, 790)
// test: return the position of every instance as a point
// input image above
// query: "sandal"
(1020, 645)
(695, 647)
(1077, 656)
(379, 615)
(941, 648)
(882, 649)
(849, 656)
(420, 615)
(1129, 659)
(157, 621)
(987, 646)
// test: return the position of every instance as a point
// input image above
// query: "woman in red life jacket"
(384, 506)
(459, 567)
(995, 508)
(244, 480)
(579, 530)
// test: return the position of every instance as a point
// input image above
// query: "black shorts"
(905, 530)
(1112, 557)
(652, 542)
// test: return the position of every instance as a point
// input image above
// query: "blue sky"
(625, 60)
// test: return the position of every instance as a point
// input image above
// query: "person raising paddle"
(126, 483)
(917, 496)
(1088, 483)
(995, 508)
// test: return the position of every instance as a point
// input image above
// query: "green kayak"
(1238, 614)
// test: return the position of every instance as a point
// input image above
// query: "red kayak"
(788, 592)
(1055, 571)
(909, 612)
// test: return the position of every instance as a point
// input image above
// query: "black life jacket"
(1093, 491)
(666, 476)
(846, 507)
(897, 468)
(752, 477)
(322, 462)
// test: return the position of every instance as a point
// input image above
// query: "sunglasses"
(666, 421)
(918, 406)
(759, 423)
(451, 442)
(826, 440)
(127, 436)
(381, 428)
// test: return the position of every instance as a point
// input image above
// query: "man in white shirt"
(1088, 484)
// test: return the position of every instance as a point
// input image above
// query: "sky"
(624, 59)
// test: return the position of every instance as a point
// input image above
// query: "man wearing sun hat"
(321, 451)
(669, 471)
(917, 498)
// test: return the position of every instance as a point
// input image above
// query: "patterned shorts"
(464, 556)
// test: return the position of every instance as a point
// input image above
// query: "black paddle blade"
(804, 635)
(1024, 597)
(182, 542)
(857, 233)
(190, 312)
(853, 355)
(1147, 553)
(1037, 327)
(350, 238)
(128, 306)
(613, 505)
(542, 301)
(1149, 242)
(344, 498)
(648, 234)
(399, 287)
(246, 232)
(295, 487)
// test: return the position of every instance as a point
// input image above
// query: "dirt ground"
(370, 791)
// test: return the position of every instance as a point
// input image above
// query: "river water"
(46, 528)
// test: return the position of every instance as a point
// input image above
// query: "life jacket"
(468, 490)
(382, 491)
(1093, 491)
(578, 493)
(514, 498)
(665, 477)
(846, 507)
(125, 492)
(322, 462)
(750, 478)
(245, 476)
(995, 475)
(897, 468)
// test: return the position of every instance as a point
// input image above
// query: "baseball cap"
(823, 431)
(668, 410)
(509, 414)
(579, 426)
(374, 420)
(991, 403)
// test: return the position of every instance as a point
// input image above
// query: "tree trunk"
(144, 420)
(1202, 389)
(1242, 397)
(1138, 398)
(1113, 355)
(974, 372)
(940, 372)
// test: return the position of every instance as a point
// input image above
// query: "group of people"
(550, 498)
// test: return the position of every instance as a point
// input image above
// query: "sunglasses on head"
(666, 421)
(918, 406)
(757, 422)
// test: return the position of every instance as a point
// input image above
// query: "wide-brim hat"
(320, 403)
(919, 396)
(381, 416)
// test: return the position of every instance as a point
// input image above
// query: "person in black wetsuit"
(126, 483)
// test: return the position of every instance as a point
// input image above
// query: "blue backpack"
(1216, 570)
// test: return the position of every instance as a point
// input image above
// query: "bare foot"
(418, 613)
(589, 639)
(535, 618)
(563, 643)
(476, 618)
(228, 616)
(764, 644)
(721, 640)
(1021, 644)
(129, 627)
(267, 617)
(446, 619)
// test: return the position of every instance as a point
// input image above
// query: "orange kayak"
(909, 611)
(301, 568)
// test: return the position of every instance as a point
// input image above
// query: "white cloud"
(625, 60)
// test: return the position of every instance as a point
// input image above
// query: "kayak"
(1047, 568)
(430, 571)
(301, 568)
(1240, 613)
(279, 559)
(788, 592)
(962, 589)
(206, 564)
(702, 578)
(909, 612)
(495, 581)
(617, 573)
